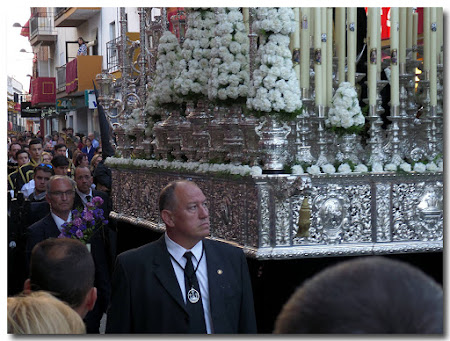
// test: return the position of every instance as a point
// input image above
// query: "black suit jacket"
(146, 297)
(102, 254)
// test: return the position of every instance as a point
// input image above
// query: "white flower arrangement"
(390, 167)
(192, 167)
(405, 166)
(313, 169)
(275, 87)
(229, 57)
(297, 170)
(328, 168)
(361, 168)
(167, 70)
(345, 114)
(419, 167)
(344, 168)
(196, 53)
(377, 167)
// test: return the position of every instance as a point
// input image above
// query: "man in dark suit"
(102, 253)
(60, 196)
(155, 290)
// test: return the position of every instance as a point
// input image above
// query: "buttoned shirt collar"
(59, 221)
(177, 251)
(83, 196)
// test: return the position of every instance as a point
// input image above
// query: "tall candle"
(402, 37)
(395, 100)
(323, 18)
(340, 42)
(295, 43)
(426, 39)
(329, 22)
(379, 45)
(246, 15)
(305, 47)
(351, 44)
(433, 56)
(409, 29)
(415, 29)
(373, 12)
(318, 57)
(440, 34)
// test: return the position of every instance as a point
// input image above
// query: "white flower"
(328, 168)
(390, 167)
(420, 167)
(345, 111)
(344, 168)
(361, 168)
(314, 169)
(297, 169)
(377, 167)
(405, 167)
(256, 171)
(432, 167)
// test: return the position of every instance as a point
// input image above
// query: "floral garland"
(345, 114)
(167, 69)
(229, 57)
(192, 83)
(192, 167)
(275, 87)
(346, 168)
(85, 222)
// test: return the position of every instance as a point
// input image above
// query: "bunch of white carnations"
(229, 57)
(275, 87)
(192, 82)
(167, 69)
(345, 114)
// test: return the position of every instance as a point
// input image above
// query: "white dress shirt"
(178, 252)
(83, 196)
(59, 221)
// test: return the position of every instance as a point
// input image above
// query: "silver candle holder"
(322, 140)
(303, 130)
(396, 157)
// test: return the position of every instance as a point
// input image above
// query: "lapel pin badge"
(219, 272)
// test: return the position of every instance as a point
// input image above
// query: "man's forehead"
(60, 183)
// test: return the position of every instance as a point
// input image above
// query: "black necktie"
(194, 304)
(88, 198)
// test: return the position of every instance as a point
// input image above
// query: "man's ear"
(27, 287)
(91, 297)
(167, 217)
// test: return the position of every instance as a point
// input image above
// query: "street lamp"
(16, 24)
(25, 51)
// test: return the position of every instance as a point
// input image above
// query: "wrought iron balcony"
(42, 29)
(74, 16)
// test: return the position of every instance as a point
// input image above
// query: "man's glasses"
(61, 194)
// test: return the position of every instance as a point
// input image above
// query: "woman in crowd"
(47, 157)
(41, 313)
(88, 149)
(81, 160)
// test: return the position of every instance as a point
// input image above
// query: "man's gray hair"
(59, 177)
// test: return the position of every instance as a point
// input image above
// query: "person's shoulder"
(140, 253)
(40, 224)
(223, 247)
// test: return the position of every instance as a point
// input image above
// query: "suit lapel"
(51, 229)
(216, 281)
(163, 270)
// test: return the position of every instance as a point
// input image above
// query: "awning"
(25, 31)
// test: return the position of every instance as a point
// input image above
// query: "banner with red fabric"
(71, 76)
(25, 31)
(43, 90)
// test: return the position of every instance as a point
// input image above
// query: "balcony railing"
(61, 78)
(42, 24)
(113, 58)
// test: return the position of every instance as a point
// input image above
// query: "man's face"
(14, 149)
(91, 136)
(40, 180)
(189, 219)
(70, 132)
(83, 178)
(60, 197)
(22, 159)
(61, 151)
(36, 151)
(61, 170)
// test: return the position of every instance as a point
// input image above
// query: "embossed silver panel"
(349, 214)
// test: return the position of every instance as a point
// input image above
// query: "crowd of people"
(183, 282)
